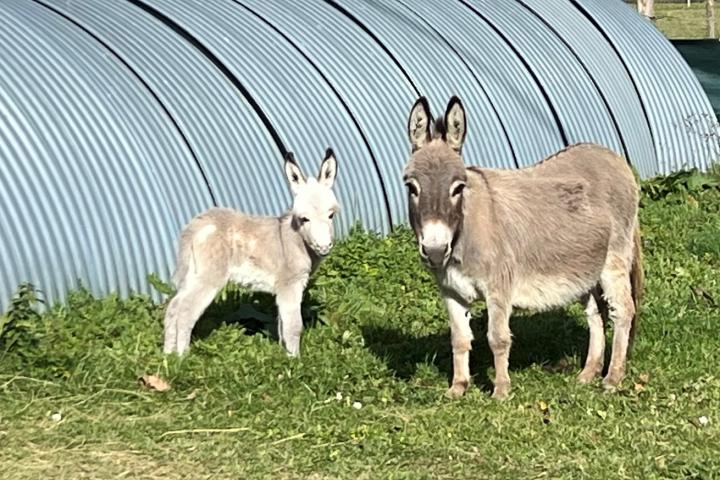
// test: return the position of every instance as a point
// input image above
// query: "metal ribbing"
(517, 97)
(607, 72)
(670, 94)
(580, 110)
(242, 164)
(299, 103)
(369, 82)
(95, 177)
(438, 72)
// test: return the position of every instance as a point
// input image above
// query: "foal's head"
(314, 203)
(435, 177)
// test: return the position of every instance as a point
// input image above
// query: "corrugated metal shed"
(219, 124)
(96, 181)
(531, 123)
(607, 71)
(121, 120)
(672, 98)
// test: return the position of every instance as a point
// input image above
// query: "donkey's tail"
(637, 283)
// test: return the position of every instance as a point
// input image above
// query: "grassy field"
(365, 400)
(676, 20)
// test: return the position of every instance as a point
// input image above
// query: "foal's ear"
(455, 124)
(328, 169)
(419, 124)
(293, 173)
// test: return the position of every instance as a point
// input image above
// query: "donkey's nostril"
(423, 251)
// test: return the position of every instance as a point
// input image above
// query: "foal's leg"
(290, 327)
(500, 340)
(596, 347)
(186, 308)
(615, 282)
(461, 339)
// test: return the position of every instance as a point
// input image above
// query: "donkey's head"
(435, 177)
(314, 203)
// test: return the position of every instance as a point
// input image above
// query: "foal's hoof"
(611, 382)
(456, 391)
(587, 376)
(501, 391)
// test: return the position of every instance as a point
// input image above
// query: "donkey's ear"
(419, 124)
(455, 124)
(293, 173)
(328, 169)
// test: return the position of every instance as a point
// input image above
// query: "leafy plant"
(22, 316)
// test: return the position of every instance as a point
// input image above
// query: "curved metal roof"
(582, 114)
(121, 120)
(531, 123)
(672, 98)
(233, 148)
(438, 72)
(95, 182)
(607, 71)
(301, 105)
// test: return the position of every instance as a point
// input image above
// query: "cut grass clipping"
(86, 393)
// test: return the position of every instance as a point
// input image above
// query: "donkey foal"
(267, 254)
(537, 238)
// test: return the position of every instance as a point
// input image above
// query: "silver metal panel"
(569, 89)
(608, 73)
(372, 86)
(96, 180)
(242, 164)
(528, 117)
(438, 72)
(299, 102)
(678, 110)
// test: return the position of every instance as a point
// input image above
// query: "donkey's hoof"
(501, 391)
(456, 391)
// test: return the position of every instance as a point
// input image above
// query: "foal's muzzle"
(435, 257)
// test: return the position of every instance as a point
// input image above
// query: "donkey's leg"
(596, 347)
(290, 325)
(193, 301)
(170, 323)
(500, 340)
(461, 338)
(615, 282)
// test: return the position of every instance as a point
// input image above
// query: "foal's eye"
(304, 220)
(458, 189)
(412, 189)
(331, 215)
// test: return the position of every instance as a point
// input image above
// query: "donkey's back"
(559, 224)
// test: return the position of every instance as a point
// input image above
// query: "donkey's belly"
(542, 292)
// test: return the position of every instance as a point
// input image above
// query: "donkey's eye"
(304, 220)
(412, 189)
(458, 189)
(331, 215)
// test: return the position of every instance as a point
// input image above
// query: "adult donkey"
(537, 238)
(268, 254)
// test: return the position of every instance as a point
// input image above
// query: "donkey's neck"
(293, 246)
(475, 245)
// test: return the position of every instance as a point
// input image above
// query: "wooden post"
(650, 9)
(710, 9)
(646, 8)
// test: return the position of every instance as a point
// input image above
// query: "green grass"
(678, 21)
(239, 408)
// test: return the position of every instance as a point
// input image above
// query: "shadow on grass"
(548, 339)
(255, 312)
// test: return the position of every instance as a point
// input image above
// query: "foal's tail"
(637, 283)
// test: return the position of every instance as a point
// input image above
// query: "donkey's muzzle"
(435, 256)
